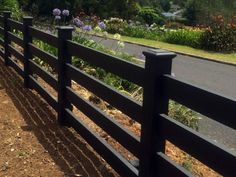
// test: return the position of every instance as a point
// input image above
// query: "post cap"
(28, 17)
(159, 53)
(65, 28)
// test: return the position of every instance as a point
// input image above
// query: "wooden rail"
(158, 85)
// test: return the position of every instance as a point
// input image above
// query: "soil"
(33, 144)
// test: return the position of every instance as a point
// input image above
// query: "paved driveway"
(215, 76)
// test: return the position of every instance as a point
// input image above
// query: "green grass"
(229, 58)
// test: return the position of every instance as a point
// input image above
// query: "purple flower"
(56, 12)
(87, 28)
(58, 17)
(66, 12)
(78, 22)
(102, 25)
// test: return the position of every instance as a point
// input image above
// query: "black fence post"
(6, 16)
(64, 34)
(155, 102)
(27, 22)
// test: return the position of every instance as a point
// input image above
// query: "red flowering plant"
(220, 36)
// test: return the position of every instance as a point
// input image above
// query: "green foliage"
(165, 4)
(133, 29)
(11, 5)
(45, 47)
(108, 78)
(191, 11)
(188, 37)
(187, 164)
(183, 115)
(200, 11)
(116, 25)
(141, 31)
(151, 15)
(220, 36)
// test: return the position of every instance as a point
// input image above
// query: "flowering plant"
(220, 35)
(58, 14)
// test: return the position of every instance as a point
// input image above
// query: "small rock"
(5, 102)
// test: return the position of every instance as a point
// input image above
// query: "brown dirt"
(31, 141)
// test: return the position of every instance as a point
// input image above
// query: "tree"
(165, 4)
(11, 5)
(191, 11)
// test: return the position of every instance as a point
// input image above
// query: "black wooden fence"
(158, 85)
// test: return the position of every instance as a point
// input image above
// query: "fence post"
(155, 102)
(64, 34)
(27, 22)
(6, 15)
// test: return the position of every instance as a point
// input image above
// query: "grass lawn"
(230, 58)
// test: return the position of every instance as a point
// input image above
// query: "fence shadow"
(72, 154)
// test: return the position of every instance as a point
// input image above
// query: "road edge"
(181, 53)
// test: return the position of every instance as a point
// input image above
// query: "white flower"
(121, 44)
(97, 29)
(105, 34)
(117, 36)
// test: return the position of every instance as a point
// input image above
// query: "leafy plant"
(151, 15)
(220, 36)
(183, 115)
(188, 37)
(11, 5)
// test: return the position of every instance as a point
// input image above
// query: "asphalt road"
(214, 76)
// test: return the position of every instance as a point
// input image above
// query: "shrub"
(183, 114)
(220, 36)
(11, 5)
(115, 25)
(141, 31)
(188, 37)
(150, 16)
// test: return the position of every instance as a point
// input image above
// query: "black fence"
(158, 85)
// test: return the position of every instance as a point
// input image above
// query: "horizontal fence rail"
(14, 38)
(105, 122)
(202, 148)
(46, 57)
(43, 36)
(152, 114)
(105, 92)
(211, 106)
(102, 147)
(15, 25)
(124, 69)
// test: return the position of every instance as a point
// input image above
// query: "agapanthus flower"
(78, 22)
(117, 36)
(66, 12)
(58, 17)
(102, 25)
(121, 44)
(56, 12)
(87, 28)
